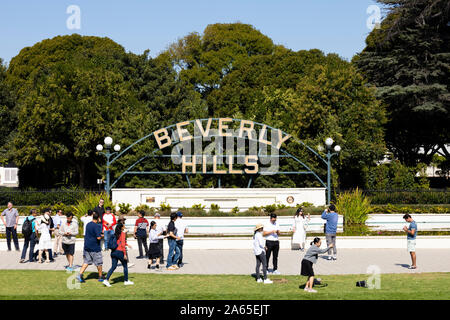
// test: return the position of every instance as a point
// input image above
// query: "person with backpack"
(69, 231)
(309, 259)
(30, 235)
(117, 244)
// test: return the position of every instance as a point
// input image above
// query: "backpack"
(112, 242)
(27, 227)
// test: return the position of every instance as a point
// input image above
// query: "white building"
(9, 177)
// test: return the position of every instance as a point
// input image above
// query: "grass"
(52, 285)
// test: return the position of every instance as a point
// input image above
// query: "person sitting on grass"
(92, 252)
(155, 249)
(259, 250)
(120, 253)
(309, 259)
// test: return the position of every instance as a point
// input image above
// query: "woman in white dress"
(45, 240)
(299, 228)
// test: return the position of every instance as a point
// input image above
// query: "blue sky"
(328, 25)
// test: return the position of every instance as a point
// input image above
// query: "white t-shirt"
(268, 227)
(181, 226)
(258, 244)
(85, 221)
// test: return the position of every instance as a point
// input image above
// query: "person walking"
(182, 229)
(174, 250)
(299, 228)
(154, 252)
(309, 259)
(271, 232)
(411, 234)
(45, 240)
(108, 222)
(30, 238)
(331, 216)
(140, 233)
(92, 252)
(58, 236)
(86, 219)
(12, 220)
(160, 228)
(119, 254)
(259, 249)
(69, 231)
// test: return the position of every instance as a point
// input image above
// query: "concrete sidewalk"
(242, 262)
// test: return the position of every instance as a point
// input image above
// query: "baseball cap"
(179, 213)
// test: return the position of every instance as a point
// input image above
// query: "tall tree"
(408, 60)
(7, 118)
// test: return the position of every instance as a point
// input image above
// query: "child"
(155, 250)
(45, 241)
(309, 259)
(120, 253)
(260, 252)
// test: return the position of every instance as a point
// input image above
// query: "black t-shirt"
(100, 211)
(171, 227)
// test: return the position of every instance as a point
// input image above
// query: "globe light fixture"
(329, 142)
(117, 148)
(337, 148)
(99, 147)
(108, 141)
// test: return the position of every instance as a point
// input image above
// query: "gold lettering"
(223, 127)
(281, 139)
(251, 164)
(215, 171)
(159, 138)
(262, 133)
(230, 166)
(182, 130)
(244, 128)
(192, 164)
(205, 133)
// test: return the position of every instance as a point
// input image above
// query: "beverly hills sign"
(223, 146)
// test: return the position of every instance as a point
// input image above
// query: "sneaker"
(171, 267)
(106, 283)
(176, 267)
(267, 281)
(149, 266)
(157, 266)
(69, 269)
(259, 280)
(22, 261)
(80, 278)
(329, 258)
(312, 290)
(334, 258)
(140, 257)
(130, 265)
(128, 283)
(276, 272)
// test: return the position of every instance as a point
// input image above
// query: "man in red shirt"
(141, 232)
(108, 222)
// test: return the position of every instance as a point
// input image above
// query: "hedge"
(27, 197)
(408, 197)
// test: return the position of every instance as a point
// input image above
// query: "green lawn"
(53, 285)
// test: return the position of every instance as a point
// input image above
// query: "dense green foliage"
(408, 60)
(354, 206)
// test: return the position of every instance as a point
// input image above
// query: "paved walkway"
(350, 261)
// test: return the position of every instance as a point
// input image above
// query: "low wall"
(245, 225)
(226, 198)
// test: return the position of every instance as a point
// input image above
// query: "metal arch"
(127, 171)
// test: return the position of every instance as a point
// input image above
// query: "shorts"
(412, 245)
(95, 258)
(307, 268)
(68, 249)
